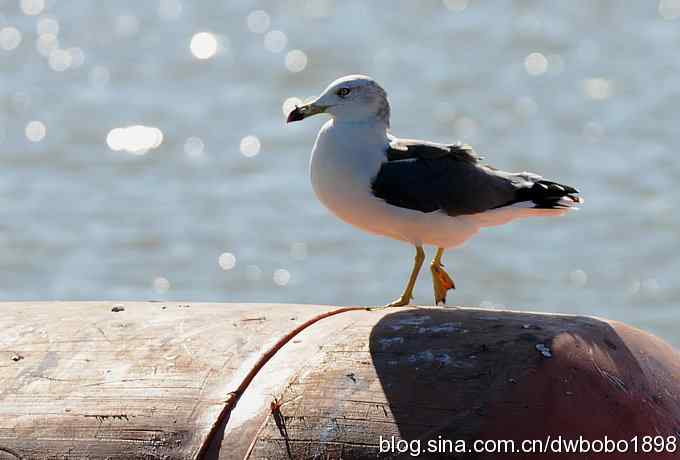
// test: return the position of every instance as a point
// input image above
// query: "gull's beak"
(304, 111)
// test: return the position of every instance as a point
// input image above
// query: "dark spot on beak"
(295, 115)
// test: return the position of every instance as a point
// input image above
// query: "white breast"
(345, 159)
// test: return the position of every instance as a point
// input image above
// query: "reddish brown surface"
(467, 374)
(609, 381)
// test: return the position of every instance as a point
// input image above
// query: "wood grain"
(144, 382)
(80, 380)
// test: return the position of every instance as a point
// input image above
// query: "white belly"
(341, 178)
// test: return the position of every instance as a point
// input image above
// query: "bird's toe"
(441, 282)
(400, 302)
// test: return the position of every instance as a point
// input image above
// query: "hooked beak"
(304, 111)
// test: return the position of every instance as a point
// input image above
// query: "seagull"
(419, 192)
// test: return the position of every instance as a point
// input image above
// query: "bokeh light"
(10, 38)
(137, 139)
(46, 44)
(289, 104)
(296, 60)
(281, 277)
(536, 64)
(250, 146)
(258, 21)
(161, 284)
(275, 41)
(35, 131)
(578, 277)
(194, 146)
(226, 260)
(203, 45)
(47, 25)
(32, 7)
(59, 60)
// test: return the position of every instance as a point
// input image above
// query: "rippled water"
(207, 197)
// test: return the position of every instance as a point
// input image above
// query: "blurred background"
(144, 153)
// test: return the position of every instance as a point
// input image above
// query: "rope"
(233, 397)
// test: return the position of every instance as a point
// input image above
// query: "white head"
(351, 98)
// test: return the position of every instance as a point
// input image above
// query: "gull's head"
(353, 98)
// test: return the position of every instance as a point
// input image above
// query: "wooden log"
(149, 380)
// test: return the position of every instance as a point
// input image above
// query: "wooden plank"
(143, 382)
(78, 380)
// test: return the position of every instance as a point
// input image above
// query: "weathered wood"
(144, 382)
(475, 374)
(78, 380)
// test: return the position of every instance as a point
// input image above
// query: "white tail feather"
(519, 210)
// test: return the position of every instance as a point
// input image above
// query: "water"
(582, 92)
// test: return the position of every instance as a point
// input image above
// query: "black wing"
(429, 177)
(402, 149)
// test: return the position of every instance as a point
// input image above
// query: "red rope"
(234, 396)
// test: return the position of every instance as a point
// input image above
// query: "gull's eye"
(343, 92)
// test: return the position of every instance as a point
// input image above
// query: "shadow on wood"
(466, 374)
(491, 375)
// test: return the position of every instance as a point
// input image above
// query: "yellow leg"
(407, 295)
(441, 281)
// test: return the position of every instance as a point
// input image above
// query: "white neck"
(346, 157)
(364, 127)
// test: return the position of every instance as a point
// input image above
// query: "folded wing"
(429, 177)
